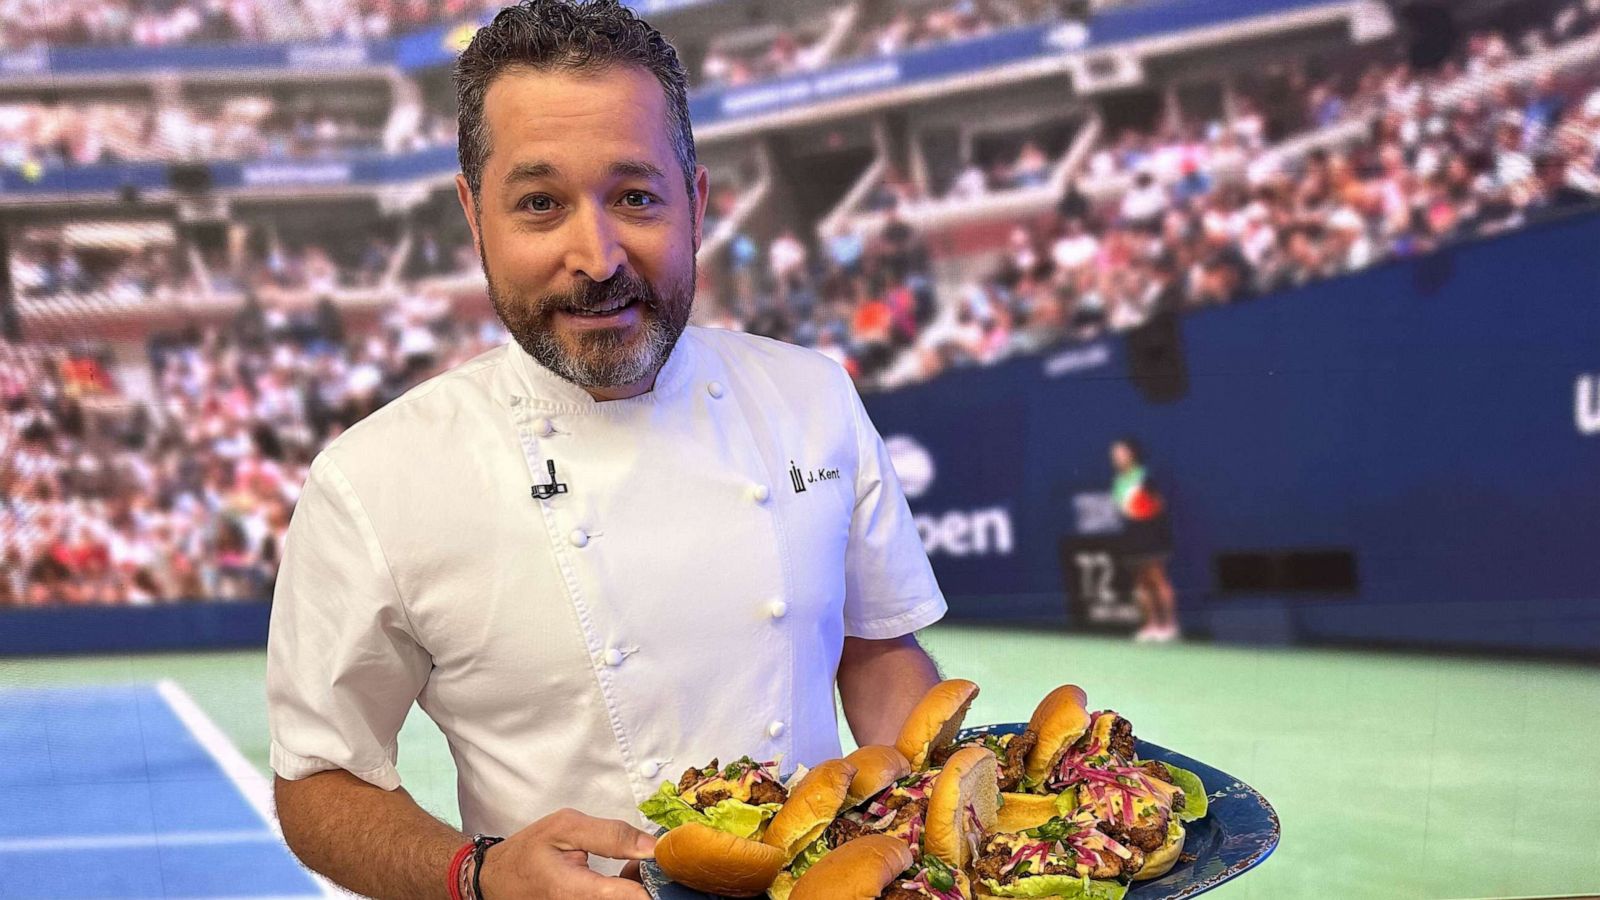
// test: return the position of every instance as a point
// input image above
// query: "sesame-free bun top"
(811, 807)
(1059, 720)
(934, 721)
(968, 779)
(877, 767)
(1023, 811)
(706, 859)
(859, 870)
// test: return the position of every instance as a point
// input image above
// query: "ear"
(469, 209)
(702, 191)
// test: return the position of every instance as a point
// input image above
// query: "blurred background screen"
(1240, 360)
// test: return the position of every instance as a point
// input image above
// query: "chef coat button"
(649, 768)
(775, 730)
(778, 609)
(760, 493)
(714, 389)
(578, 538)
(546, 427)
(613, 657)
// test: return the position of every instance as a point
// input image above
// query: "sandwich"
(800, 831)
(1023, 760)
(715, 819)
(738, 798)
(1065, 858)
(1139, 803)
(877, 769)
(942, 812)
(880, 867)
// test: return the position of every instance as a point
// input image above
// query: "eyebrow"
(626, 168)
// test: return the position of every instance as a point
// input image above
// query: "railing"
(935, 215)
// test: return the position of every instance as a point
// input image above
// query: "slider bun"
(877, 767)
(859, 870)
(934, 721)
(701, 857)
(810, 809)
(968, 778)
(1023, 811)
(1059, 720)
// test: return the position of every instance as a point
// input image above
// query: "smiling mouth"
(602, 313)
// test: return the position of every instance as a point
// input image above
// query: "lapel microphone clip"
(546, 491)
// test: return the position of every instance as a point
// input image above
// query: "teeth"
(602, 312)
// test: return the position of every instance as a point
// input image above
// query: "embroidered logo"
(799, 478)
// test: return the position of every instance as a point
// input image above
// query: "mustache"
(586, 295)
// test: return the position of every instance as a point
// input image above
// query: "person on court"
(1146, 540)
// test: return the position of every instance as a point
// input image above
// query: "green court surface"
(1395, 775)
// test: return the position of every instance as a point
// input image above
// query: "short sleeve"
(343, 665)
(890, 590)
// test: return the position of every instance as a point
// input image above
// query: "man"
(713, 538)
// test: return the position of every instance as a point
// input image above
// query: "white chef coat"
(685, 599)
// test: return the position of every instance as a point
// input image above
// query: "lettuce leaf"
(739, 818)
(1194, 793)
(809, 856)
(1066, 887)
(669, 811)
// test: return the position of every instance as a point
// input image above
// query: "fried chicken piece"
(1014, 763)
(764, 791)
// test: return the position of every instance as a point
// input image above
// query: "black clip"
(546, 491)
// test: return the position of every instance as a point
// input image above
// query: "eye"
(638, 199)
(538, 203)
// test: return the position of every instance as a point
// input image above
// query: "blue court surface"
(130, 791)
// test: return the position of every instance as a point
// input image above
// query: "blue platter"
(1240, 830)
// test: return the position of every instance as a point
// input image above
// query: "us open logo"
(957, 532)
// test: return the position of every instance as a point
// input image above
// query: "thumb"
(611, 838)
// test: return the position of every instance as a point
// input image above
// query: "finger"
(612, 838)
(584, 884)
(631, 871)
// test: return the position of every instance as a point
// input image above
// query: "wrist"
(482, 846)
(460, 869)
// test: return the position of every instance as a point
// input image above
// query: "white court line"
(123, 841)
(244, 776)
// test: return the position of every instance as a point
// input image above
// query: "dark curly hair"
(566, 36)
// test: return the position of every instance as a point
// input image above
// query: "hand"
(549, 860)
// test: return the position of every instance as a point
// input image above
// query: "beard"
(598, 357)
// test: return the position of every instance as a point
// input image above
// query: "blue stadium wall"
(1438, 420)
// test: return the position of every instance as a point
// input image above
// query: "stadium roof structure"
(1108, 52)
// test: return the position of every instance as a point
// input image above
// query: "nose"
(594, 251)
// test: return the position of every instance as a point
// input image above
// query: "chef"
(614, 548)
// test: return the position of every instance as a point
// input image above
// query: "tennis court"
(131, 791)
(1395, 775)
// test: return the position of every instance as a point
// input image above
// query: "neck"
(623, 392)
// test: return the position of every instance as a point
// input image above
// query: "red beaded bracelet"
(454, 873)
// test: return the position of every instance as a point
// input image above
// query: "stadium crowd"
(111, 498)
(107, 499)
(243, 128)
(732, 60)
(1203, 220)
(160, 23)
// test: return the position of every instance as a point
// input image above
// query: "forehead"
(580, 121)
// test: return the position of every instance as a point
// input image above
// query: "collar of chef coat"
(556, 394)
